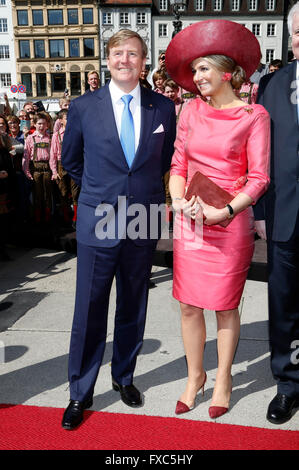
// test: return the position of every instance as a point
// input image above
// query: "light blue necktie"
(127, 133)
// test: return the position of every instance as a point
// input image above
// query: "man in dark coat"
(277, 220)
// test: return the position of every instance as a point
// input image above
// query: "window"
(5, 79)
(55, 17)
(22, 17)
(104, 49)
(88, 45)
(74, 48)
(269, 55)
(56, 47)
(39, 48)
(199, 5)
(41, 84)
(163, 5)
(4, 52)
(107, 18)
(3, 25)
(124, 18)
(75, 83)
(270, 5)
(271, 29)
(87, 16)
(26, 79)
(235, 5)
(163, 30)
(72, 16)
(256, 29)
(217, 5)
(24, 47)
(58, 82)
(252, 5)
(37, 17)
(141, 18)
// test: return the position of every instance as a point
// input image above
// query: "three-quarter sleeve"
(55, 149)
(179, 163)
(258, 157)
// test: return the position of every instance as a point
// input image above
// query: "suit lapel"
(146, 127)
(106, 116)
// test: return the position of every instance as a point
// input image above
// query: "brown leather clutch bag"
(200, 185)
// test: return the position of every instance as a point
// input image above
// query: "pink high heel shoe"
(182, 407)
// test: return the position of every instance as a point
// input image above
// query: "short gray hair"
(293, 11)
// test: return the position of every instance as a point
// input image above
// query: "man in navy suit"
(117, 147)
(277, 220)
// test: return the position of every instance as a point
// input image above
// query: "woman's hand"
(189, 208)
(29, 176)
(212, 215)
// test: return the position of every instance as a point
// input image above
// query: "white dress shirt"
(118, 106)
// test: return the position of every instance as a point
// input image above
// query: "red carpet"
(38, 428)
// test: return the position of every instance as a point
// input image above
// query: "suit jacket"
(93, 156)
(280, 205)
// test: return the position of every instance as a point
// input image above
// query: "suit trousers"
(283, 293)
(96, 268)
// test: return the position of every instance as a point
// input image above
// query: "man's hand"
(260, 227)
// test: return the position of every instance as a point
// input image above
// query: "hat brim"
(210, 37)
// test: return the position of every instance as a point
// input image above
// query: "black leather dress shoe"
(73, 415)
(280, 408)
(129, 394)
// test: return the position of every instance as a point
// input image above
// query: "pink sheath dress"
(231, 147)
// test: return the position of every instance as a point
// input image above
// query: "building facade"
(7, 54)
(50, 45)
(120, 14)
(265, 18)
(56, 45)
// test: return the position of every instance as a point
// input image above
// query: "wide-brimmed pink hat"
(207, 38)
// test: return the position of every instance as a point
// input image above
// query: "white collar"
(117, 93)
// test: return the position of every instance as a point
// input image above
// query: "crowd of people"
(34, 186)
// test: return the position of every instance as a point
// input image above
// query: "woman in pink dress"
(228, 141)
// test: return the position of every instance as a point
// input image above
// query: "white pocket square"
(159, 129)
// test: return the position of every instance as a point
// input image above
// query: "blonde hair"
(124, 35)
(93, 72)
(159, 74)
(64, 100)
(226, 64)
